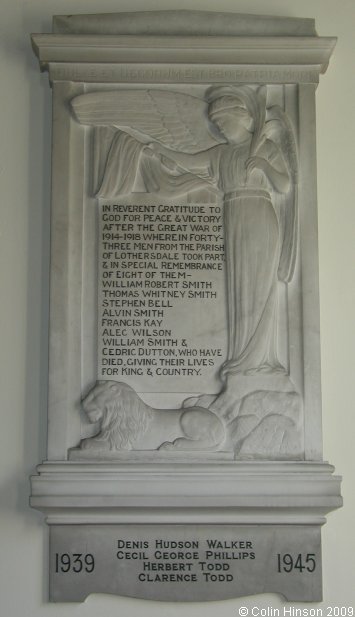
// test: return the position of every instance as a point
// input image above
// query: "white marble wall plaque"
(184, 397)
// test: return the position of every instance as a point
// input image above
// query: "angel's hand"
(166, 157)
(257, 162)
(280, 180)
(147, 150)
(154, 148)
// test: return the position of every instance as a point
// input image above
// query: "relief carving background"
(242, 151)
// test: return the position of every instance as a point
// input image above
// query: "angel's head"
(232, 117)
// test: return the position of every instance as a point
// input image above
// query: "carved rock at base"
(263, 416)
(268, 426)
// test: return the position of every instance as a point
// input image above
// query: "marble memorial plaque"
(184, 442)
(189, 563)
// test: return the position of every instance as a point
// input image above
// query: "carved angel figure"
(231, 142)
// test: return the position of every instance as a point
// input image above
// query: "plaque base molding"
(171, 531)
(248, 492)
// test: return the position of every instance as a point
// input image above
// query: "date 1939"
(75, 562)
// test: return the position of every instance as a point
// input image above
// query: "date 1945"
(302, 563)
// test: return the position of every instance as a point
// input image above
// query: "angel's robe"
(252, 236)
(252, 244)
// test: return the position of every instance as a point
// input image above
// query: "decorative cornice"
(250, 50)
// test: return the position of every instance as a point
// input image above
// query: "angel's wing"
(258, 101)
(177, 120)
(279, 129)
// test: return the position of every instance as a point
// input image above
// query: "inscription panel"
(180, 562)
(161, 295)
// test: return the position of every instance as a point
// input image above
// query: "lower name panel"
(185, 562)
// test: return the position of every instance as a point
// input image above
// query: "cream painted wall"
(24, 244)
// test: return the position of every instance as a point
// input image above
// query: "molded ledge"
(234, 493)
(250, 50)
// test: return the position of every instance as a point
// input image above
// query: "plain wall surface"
(25, 126)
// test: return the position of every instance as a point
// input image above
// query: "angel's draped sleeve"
(129, 169)
(121, 166)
